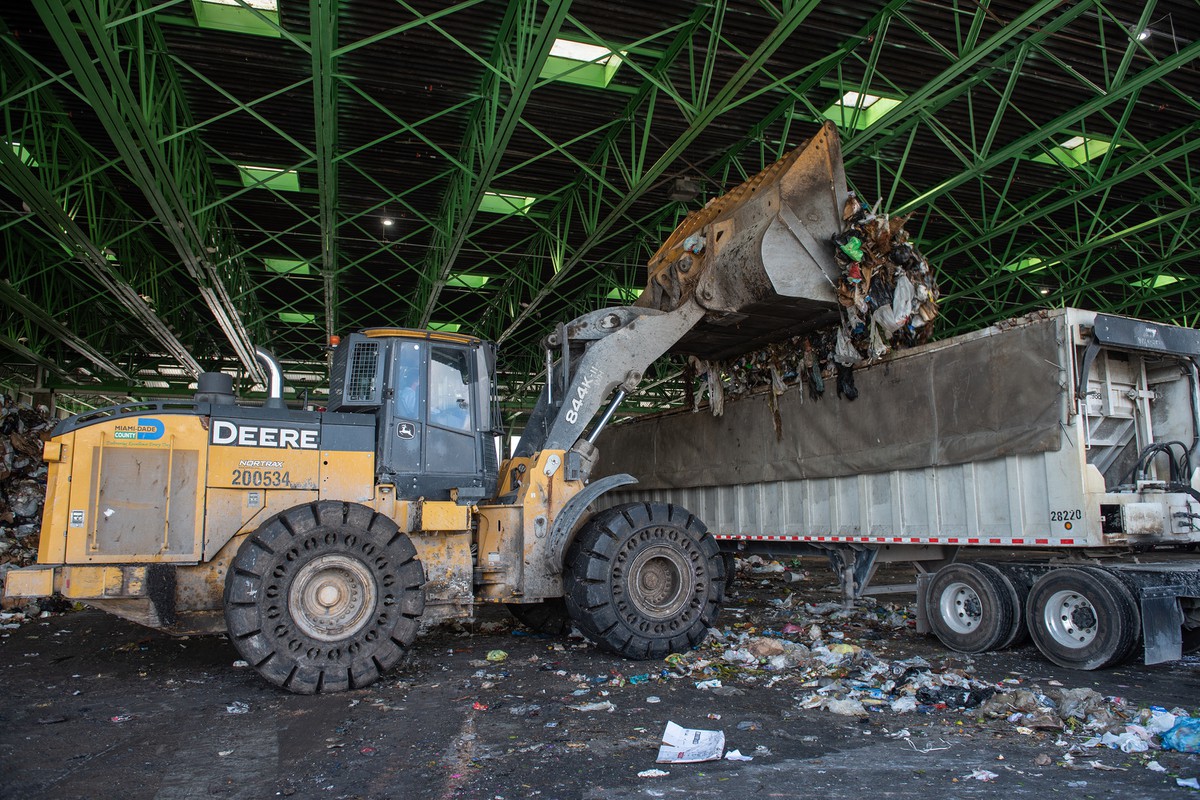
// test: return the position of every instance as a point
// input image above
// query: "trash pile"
(888, 297)
(22, 480)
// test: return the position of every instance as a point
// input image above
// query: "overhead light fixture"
(1043, 291)
(388, 222)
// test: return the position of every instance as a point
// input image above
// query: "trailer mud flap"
(1162, 624)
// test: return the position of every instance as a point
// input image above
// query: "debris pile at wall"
(22, 480)
(888, 296)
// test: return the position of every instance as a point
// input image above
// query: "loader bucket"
(760, 258)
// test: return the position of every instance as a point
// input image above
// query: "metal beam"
(787, 25)
(118, 107)
(485, 146)
(323, 27)
(23, 305)
(57, 224)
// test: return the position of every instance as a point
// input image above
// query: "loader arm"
(752, 267)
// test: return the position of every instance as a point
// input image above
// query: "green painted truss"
(180, 181)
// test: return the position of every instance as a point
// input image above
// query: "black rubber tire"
(1015, 594)
(969, 607)
(1191, 640)
(625, 553)
(1082, 618)
(293, 559)
(549, 616)
(730, 560)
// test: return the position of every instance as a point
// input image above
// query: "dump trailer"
(321, 541)
(1040, 474)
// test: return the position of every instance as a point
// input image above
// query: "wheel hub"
(332, 597)
(660, 582)
(1071, 620)
(961, 608)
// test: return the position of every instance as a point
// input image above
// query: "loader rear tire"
(644, 580)
(324, 597)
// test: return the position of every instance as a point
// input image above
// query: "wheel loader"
(320, 541)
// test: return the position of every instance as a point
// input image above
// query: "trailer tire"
(969, 607)
(549, 616)
(324, 597)
(644, 580)
(1016, 592)
(1082, 618)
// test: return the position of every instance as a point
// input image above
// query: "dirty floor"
(95, 707)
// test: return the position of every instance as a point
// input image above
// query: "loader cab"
(436, 413)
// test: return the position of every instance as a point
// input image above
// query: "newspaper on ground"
(686, 745)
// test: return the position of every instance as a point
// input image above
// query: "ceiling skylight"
(287, 266)
(258, 17)
(1075, 151)
(297, 318)
(624, 294)
(23, 155)
(1030, 264)
(281, 180)
(859, 110)
(464, 280)
(444, 327)
(1157, 282)
(503, 203)
(581, 63)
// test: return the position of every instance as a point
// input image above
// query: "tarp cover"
(984, 395)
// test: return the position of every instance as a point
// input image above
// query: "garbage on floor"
(22, 480)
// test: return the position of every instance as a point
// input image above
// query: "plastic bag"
(1184, 737)
(844, 352)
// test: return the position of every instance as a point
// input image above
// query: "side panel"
(137, 490)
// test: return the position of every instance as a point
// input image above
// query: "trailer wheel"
(644, 580)
(969, 607)
(549, 616)
(1082, 618)
(1015, 593)
(324, 597)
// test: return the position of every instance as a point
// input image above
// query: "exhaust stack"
(274, 372)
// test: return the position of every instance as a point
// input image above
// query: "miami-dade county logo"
(145, 428)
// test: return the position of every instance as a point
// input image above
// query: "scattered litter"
(121, 718)
(981, 775)
(237, 707)
(653, 699)
(688, 745)
(1183, 736)
(1188, 783)
(736, 755)
(496, 656)
(240, 664)
(653, 773)
(223, 753)
(603, 705)
(709, 684)
(1154, 766)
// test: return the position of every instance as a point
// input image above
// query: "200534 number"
(1066, 516)
(261, 477)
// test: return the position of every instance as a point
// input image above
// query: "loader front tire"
(644, 580)
(324, 597)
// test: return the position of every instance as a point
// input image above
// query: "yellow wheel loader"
(321, 541)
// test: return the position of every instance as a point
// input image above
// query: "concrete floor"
(98, 708)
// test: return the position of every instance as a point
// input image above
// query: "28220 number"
(1066, 516)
